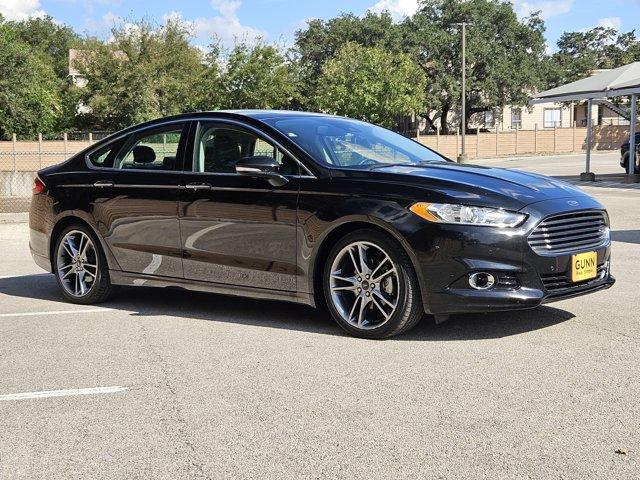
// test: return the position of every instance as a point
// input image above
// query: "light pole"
(463, 156)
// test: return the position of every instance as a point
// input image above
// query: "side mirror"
(261, 167)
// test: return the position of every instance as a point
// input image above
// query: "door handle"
(103, 183)
(198, 186)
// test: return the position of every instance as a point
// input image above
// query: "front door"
(237, 230)
(135, 199)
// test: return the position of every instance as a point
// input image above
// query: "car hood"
(484, 185)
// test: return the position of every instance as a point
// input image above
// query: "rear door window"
(155, 150)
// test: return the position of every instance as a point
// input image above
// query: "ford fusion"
(315, 209)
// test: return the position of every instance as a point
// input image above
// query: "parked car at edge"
(315, 209)
(624, 154)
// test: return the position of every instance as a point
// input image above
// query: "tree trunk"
(430, 122)
(444, 119)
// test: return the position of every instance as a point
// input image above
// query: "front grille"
(569, 232)
(559, 281)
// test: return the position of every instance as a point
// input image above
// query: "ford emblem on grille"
(573, 203)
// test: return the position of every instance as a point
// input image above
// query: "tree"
(29, 95)
(580, 53)
(503, 54)
(143, 73)
(321, 39)
(257, 76)
(53, 40)
(372, 84)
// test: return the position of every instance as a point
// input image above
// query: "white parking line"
(55, 312)
(61, 393)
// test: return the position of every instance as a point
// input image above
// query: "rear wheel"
(370, 286)
(80, 267)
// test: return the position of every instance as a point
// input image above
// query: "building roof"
(620, 81)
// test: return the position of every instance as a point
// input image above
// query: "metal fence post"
(438, 138)
(477, 142)
(573, 148)
(90, 138)
(40, 149)
(66, 144)
(517, 129)
(535, 139)
(13, 145)
(457, 142)
(555, 138)
(497, 142)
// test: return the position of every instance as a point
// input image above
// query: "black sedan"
(321, 210)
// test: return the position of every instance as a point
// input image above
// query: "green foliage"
(142, 74)
(372, 84)
(51, 39)
(580, 53)
(503, 53)
(321, 39)
(367, 67)
(29, 93)
(257, 76)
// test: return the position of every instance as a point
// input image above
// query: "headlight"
(467, 215)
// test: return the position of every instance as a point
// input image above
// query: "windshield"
(346, 143)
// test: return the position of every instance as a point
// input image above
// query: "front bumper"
(525, 279)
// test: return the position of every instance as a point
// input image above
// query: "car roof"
(256, 115)
(269, 114)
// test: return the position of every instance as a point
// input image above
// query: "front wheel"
(80, 267)
(370, 286)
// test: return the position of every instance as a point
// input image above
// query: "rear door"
(135, 199)
(238, 230)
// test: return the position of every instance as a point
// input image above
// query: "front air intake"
(569, 232)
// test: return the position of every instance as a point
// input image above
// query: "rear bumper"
(41, 261)
(39, 247)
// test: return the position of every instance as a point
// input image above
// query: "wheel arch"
(72, 218)
(346, 226)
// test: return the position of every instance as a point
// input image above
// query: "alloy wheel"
(77, 263)
(364, 285)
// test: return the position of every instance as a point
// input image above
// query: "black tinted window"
(155, 149)
(219, 148)
(104, 156)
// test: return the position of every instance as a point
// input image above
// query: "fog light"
(481, 281)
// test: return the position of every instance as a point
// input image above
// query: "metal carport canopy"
(621, 81)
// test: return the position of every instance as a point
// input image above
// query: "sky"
(277, 20)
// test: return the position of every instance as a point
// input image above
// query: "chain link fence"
(21, 158)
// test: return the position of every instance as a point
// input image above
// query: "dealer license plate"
(584, 266)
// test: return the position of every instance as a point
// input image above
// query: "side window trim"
(304, 171)
(178, 167)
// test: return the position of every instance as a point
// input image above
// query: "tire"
(357, 303)
(625, 163)
(97, 285)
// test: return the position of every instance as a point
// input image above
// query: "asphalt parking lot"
(179, 385)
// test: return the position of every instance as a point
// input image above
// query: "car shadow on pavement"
(626, 236)
(152, 302)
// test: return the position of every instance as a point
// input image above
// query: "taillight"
(38, 186)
